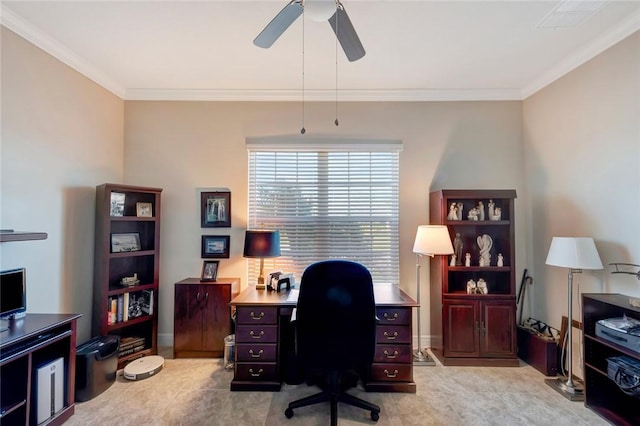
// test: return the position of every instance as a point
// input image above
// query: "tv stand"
(27, 343)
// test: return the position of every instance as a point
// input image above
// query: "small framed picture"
(215, 246)
(144, 210)
(125, 242)
(117, 204)
(209, 270)
(215, 209)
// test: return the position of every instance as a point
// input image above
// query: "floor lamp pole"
(420, 356)
(566, 386)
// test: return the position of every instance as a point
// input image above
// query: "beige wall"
(61, 136)
(582, 150)
(183, 146)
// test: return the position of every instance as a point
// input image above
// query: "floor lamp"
(430, 240)
(576, 254)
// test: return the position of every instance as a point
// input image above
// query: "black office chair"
(335, 333)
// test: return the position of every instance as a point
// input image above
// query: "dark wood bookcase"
(110, 267)
(602, 394)
(474, 329)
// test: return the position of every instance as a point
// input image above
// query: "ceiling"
(416, 50)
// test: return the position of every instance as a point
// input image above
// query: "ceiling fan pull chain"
(336, 122)
(303, 130)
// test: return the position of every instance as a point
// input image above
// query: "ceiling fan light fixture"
(319, 10)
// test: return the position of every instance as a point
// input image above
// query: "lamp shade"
(261, 243)
(575, 253)
(432, 239)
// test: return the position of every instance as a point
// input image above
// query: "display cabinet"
(473, 302)
(202, 316)
(126, 266)
(602, 394)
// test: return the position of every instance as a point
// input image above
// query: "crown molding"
(53, 47)
(343, 95)
(627, 27)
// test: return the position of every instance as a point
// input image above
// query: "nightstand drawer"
(393, 334)
(256, 371)
(256, 315)
(256, 333)
(394, 316)
(255, 352)
(393, 354)
(391, 372)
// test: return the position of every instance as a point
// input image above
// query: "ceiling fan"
(339, 21)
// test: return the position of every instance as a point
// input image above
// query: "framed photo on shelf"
(117, 204)
(215, 209)
(144, 210)
(215, 246)
(127, 242)
(209, 270)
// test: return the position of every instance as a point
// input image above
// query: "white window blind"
(327, 203)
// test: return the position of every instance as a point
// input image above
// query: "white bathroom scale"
(144, 367)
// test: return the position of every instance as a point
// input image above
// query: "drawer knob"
(389, 318)
(258, 335)
(391, 336)
(256, 317)
(391, 375)
(253, 355)
(255, 374)
(391, 356)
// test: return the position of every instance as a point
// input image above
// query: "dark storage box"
(539, 352)
(625, 372)
(96, 366)
(624, 331)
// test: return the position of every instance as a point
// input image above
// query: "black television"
(13, 293)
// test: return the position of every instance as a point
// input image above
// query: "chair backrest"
(335, 320)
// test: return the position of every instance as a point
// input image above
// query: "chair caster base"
(289, 413)
(375, 416)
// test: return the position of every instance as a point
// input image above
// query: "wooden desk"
(264, 351)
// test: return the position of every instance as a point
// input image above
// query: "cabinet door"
(188, 318)
(460, 328)
(216, 320)
(497, 337)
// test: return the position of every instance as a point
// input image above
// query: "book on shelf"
(120, 315)
(125, 307)
(132, 350)
(135, 302)
(147, 302)
(130, 342)
(112, 313)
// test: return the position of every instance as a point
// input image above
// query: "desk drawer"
(393, 354)
(256, 352)
(391, 372)
(393, 334)
(256, 371)
(257, 315)
(256, 333)
(394, 316)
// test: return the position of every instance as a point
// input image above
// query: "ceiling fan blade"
(279, 24)
(346, 34)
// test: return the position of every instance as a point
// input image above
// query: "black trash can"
(96, 366)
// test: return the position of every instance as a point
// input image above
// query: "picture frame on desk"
(215, 246)
(209, 270)
(215, 209)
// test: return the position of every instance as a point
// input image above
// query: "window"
(329, 201)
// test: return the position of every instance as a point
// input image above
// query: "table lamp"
(261, 243)
(576, 254)
(430, 240)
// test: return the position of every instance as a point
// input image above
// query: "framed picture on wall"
(215, 246)
(215, 209)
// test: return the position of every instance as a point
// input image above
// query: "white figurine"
(473, 214)
(500, 259)
(485, 243)
(482, 286)
(467, 259)
(480, 209)
(460, 208)
(453, 260)
(490, 211)
(453, 212)
(497, 214)
(471, 287)
(458, 244)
